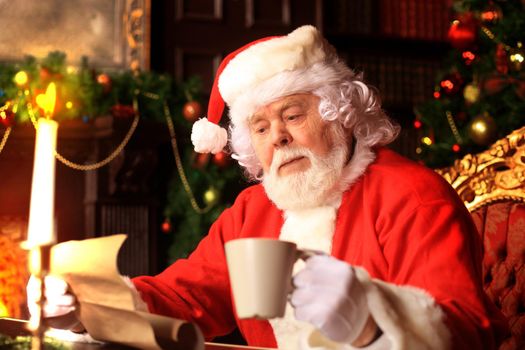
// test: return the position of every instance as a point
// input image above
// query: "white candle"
(41, 230)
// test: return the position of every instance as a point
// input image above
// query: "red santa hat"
(263, 71)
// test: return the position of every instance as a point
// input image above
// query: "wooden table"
(13, 327)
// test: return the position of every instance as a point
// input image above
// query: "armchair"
(492, 186)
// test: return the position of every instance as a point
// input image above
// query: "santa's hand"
(59, 304)
(328, 295)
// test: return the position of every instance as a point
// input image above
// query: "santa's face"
(290, 122)
(302, 156)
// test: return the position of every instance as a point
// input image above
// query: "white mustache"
(283, 156)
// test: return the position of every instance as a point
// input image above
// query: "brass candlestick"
(39, 268)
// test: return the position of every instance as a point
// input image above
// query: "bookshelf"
(398, 46)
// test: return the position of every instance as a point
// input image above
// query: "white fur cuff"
(208, 137)
(409, 317)
(139, 304)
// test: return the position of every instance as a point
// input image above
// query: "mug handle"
(305, 254)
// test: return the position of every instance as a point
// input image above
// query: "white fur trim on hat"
(300, 49)
(208, 137)
(284, 84)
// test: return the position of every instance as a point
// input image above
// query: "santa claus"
(402, 262)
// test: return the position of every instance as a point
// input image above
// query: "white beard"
(314, 187)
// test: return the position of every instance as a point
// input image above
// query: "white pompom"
(208, 137)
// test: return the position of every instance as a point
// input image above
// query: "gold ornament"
(482, 129)
(426, 140)
(211, 196)
(471, 93)
(192, 111)
(516, 57)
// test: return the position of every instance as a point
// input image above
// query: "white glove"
(60, 303)
(328, 295)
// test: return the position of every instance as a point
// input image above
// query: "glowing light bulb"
(21, 78)
(426, 140)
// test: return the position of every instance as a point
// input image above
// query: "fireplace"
(13, 267)
(115, 198)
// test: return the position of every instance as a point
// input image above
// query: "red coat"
(400, 221)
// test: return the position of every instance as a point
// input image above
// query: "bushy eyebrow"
(254, 119)
(294, 102)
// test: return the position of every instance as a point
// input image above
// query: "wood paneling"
(190, 62)
(199, 33)
(210, 10)
(268, 13)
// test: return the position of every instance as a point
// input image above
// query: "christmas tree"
(206, 185)
(480, 93)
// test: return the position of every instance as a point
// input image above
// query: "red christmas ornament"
(191, 111)
(122, 111)
(494, 85)
(45, 74)
(166, 226)
(105, 81)
(491, 14)
(468, 57)
(200, 160)
(221, 159)
(462, 33)
(502, 63)
(7, 118)
(451, 84)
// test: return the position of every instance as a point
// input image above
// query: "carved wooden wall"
(121, 197)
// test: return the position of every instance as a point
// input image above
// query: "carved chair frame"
(496, 174)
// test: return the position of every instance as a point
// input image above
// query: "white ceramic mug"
(261, 275)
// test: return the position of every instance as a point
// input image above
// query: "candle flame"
(47, 101)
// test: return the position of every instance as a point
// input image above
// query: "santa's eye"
(293, 117)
